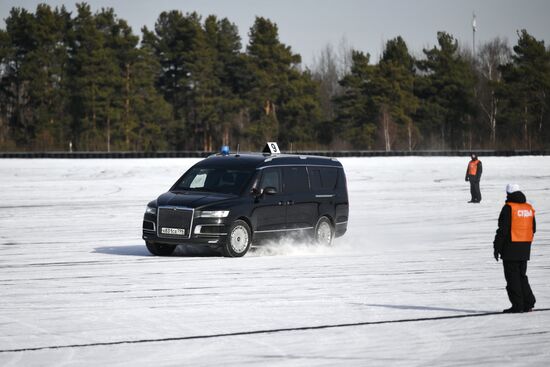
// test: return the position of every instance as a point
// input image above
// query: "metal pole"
(474, 35)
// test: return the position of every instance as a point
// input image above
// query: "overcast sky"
(308, 25)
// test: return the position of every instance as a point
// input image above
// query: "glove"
(495, 254)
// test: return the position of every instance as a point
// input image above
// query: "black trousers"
(474, 190)
(517, 285)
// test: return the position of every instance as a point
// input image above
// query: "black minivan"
(232, 201)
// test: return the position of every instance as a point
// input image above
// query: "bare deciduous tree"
(491, 55)
(325, 71)
(344, 57)
(328, 68)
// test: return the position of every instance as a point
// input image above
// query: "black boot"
(513, 310)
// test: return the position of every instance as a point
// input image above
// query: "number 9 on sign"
(273, 148)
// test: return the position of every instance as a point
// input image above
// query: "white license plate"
(176, 231)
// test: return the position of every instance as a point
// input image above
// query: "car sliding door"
(301, 210)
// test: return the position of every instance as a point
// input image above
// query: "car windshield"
(219, 180)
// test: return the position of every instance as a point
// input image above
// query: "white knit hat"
(511, 188)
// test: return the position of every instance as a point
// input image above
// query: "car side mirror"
(270, 190)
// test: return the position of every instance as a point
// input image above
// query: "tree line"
(87, 82)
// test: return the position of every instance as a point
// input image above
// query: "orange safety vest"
(522, 222)
(472, 167)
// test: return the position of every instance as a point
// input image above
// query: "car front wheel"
(238, 240)
(160, 249)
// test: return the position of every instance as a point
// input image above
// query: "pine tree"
(280, 107)
(45, 71)
(149, 113)
(15, 79)
(526, 89)
(392, 89)
(5, 90)
(446, 90)
(170, 43)
(203, 88)
(230, 71)
(356, 114)
(86, 58)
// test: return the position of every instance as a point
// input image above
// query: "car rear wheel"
(238, 240)
(160, 249)
(324, 232)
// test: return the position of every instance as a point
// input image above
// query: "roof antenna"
(238, 147)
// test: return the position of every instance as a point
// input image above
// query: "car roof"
(258, 161)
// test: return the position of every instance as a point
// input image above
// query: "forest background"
(85, 81)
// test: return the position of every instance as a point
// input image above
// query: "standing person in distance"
(473, 174)
(516, 228)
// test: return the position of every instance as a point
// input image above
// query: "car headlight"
(212, 214)
(151, 210)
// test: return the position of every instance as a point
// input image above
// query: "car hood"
(191, 199)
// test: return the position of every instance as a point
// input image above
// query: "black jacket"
(477, 176)
(516, 251)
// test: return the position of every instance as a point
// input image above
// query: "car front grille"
(174, 220)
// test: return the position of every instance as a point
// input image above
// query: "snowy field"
(78, 287)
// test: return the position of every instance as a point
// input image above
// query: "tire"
(324, 232)
(239, 239)
(160, 249)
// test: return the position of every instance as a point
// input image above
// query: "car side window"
(315, 178)
(271, 177)
(295, 179)
(329, 176)
(323, 178)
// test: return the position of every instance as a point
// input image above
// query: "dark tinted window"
(227, 181)
(271, 177)
(342, 179)
(295, 179)
(323, 178)
(315, 177)
(329, 176)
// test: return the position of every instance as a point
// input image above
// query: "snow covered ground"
(77, 286)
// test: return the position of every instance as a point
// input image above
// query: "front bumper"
(210, 232)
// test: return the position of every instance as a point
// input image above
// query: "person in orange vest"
(516, 228)
(473, 174)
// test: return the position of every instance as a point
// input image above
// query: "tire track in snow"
(255, 332)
